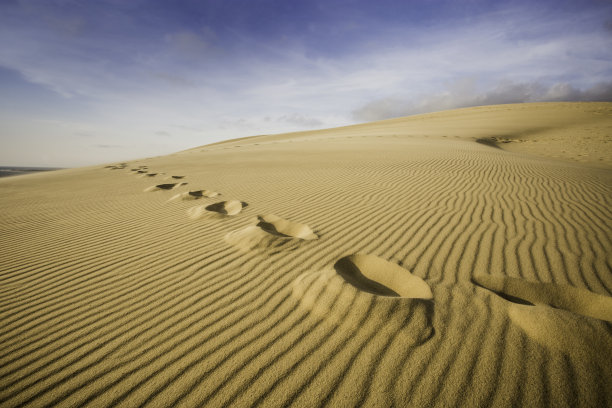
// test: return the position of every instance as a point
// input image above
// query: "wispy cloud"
(300, 120)
(464, 93)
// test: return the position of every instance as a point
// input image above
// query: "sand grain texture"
(459, 258)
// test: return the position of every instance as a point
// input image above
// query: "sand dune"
(459, 258)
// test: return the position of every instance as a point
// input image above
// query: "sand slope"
(460, 258)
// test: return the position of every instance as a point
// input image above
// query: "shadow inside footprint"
(270, 229)
(281, 227)
(326, 295)
(579, 301)
(563, 331)
(351, 273)
(231, 207)
(377, 276)
(203, 193)
(270, 233)
(117, 166)
(194, 195)
(165, 186)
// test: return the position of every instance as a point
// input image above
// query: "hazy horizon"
(85, 83)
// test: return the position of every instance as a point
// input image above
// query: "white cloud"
(464, 93)
(300, 120)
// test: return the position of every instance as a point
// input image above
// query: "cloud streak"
(464, 93)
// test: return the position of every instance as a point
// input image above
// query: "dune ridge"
(110, 296)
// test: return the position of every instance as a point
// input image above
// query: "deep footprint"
(275, 225)
(116, 166)
(327, 295)
(166, 186)
(221, 209)
(231, 207)
(270, 232)
(374, 275)
(195, 195)
(580, 301)
(562, 330)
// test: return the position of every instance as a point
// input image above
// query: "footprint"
(151, 174)
(327, 295)
(563, 331)
(204, 193)
(374, 275)
(166, 186)
(579, 301)
(231, 207)
(218, 210)
(195, 195)
(178, 177)
(275, 225)
(116, 166)
(270, 232)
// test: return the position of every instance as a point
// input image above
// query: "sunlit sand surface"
(460, 258)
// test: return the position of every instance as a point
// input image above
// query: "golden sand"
(459, 258)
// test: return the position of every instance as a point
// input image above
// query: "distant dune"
(458, 258)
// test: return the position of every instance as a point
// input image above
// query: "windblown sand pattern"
(406, 263)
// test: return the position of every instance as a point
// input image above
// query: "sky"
(86, 82)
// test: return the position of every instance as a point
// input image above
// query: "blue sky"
(86, 82)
